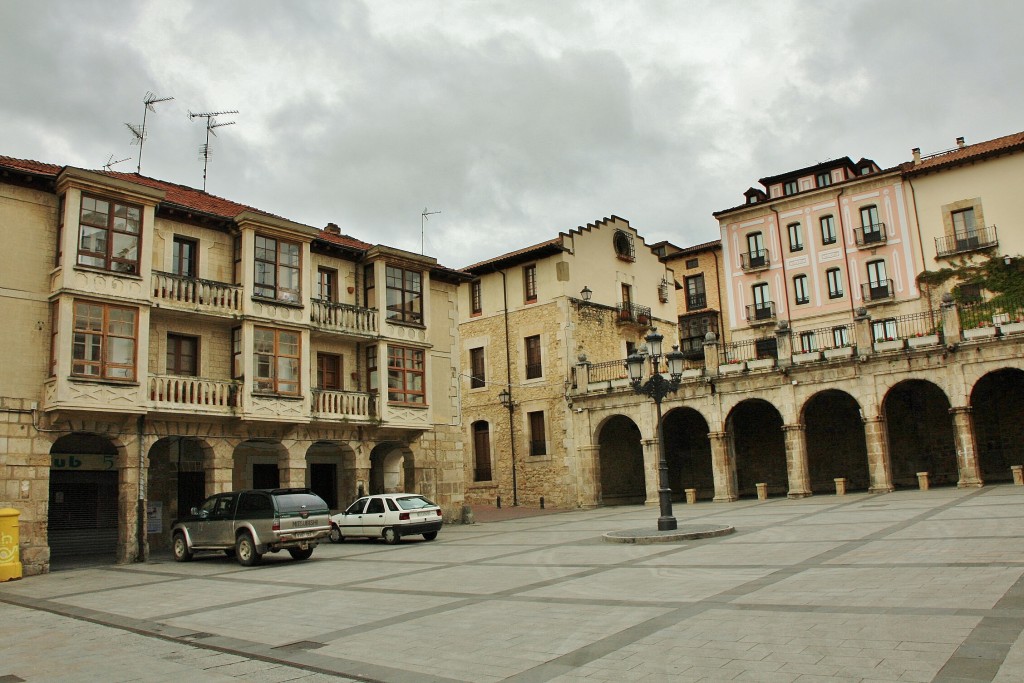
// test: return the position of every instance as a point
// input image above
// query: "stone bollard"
(922, 480)
(1018, 474)
(691, 496)
(467, 515)
(840, 486)
(762, 491)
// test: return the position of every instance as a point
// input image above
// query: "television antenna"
(139, 132)
(211, 124)
(111, 163)
(423, 218)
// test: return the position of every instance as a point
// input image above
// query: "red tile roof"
(543, 248)
(965, 154)
(29, 165)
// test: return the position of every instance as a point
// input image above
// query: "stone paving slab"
(908, 586)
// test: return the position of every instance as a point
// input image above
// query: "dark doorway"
(755, 427)
(83, 513)
(323, 480)
(265, 476)
(920, 431)
(836, 447)
(688, 453)
(622, 463)
(191, 490)
(997, 403)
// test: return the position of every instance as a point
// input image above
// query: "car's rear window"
(296, 502)
(414, 503)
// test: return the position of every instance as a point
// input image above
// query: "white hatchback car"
(389, 516)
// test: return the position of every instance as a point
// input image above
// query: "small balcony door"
(755, 247)
(762, 301)
(870, 224)
(878, 283)
(328, 371)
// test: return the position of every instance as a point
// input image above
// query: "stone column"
(862, 332)
(784, 346)
(650, 447)
(589, 458)
(966, 452)
(950, 320)
(711, 354)
(293, 466)
(219, 464)
(879, 466)
(723, 467)
(796, 461)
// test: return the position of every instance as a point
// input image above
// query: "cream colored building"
(171, 344)
(528, 322)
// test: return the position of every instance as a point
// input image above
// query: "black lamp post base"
(666, 523)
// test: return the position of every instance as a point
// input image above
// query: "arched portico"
(621, 462)
(997, 414)
(392, 469)
(836, 447)
(177, 482)
(920, 432)
(758, 446)
(688, 453)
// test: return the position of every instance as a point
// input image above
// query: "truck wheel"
(245, 549)
(180, 548)
(300, 554)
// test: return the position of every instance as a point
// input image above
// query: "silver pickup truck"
(247, 524)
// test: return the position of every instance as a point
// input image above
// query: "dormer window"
(824, 179)
(791, 187)
(108, 235)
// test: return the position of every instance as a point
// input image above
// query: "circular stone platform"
(685, 532)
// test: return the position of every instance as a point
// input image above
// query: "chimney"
(333, 229)
(917, 155)
(960, 142)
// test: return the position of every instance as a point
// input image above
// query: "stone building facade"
(172, 344)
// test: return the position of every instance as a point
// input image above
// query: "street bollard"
(840, 486)
(762, 491)
(922, 480)
(10, 559)
(467, 515)
(1018, 474)
(691, 496)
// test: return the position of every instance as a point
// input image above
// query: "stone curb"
(685, 532)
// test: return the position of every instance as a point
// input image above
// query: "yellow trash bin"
(10, 561)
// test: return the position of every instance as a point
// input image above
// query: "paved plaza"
(908, 586)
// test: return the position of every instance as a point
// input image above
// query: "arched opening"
(83, 509)
(176, 483)
(836, 446)
(759, 446)
(997, 411)
(621, 460)
(920, 432)
(330, 473)
(257, 464)
(388, 467)
(688, 453)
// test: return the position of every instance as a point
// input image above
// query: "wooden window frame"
(327, 278)
(801, 292)
(54, 330)
(796, 236)
(481, 431)
(538, 433)
(406, 370)
(407, 285)
(476, 298)
(178, 339)
(271, 383)
(322, 371)
(834, 276)
(105, 369)
(279, 267)
(477, 368)
(530, 283)
(828, 237)
(180, 244)
(534, 357)
(111, 227)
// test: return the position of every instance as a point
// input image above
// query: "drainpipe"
(140, 512)
(846, 255)
(508, 376)
(785, 279)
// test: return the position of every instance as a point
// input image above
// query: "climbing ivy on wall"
(1005, 282)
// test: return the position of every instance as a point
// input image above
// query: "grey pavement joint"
(907, 586)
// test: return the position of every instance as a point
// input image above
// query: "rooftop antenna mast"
(211, 124)
(139, 132)
(423, 218)
(111, 163)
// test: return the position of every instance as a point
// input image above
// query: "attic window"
(623, 243)
(752, 199)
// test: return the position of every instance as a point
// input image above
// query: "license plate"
(304, 522)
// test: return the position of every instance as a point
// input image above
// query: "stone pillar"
(220, 466)
(651, 486)
(966, 453)
(723, 467)
(1018, 474)
(589, 457)
(784, 346)
(950, 320)
(712, 359)
(796, 461)
(879, 467)
(293, 465)
(862, 332)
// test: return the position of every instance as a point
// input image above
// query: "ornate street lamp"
(657, 388)
(586, 293)
(506, 400)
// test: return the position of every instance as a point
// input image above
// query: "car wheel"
(391, 535)
(300, 554)
(180, 548)
(336, 536)
(245, 548)
(430, 535)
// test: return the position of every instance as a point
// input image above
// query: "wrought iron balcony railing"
(870, 235)
(970, 240)
(636, 314)
(761, 313)
(877, 291)
(755, 260)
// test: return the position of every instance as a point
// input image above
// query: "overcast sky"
(516, 120)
